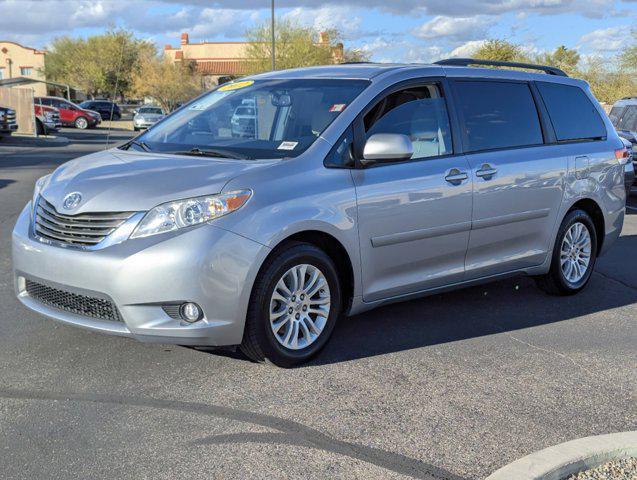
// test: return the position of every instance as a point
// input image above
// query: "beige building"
(17, 61)
(220, 59)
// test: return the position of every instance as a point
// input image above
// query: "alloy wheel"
(299, 306)
(575, 252)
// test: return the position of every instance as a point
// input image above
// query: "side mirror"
(387, 147)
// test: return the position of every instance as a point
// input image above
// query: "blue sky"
(390, 30)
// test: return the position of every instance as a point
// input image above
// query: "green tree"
(295, 46)
(98, 65)
(628, 57)
(562, 57)
(501, 50)
(166, 82)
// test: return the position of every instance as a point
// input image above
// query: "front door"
(414, 217)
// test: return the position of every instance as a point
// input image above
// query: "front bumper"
(8, 127)
(208, 265)
(143, 124)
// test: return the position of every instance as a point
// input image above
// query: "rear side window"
(629, 119)
(498, 115)
(573, 115)
(615, 114)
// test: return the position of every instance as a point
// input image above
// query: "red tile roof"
(224, 67)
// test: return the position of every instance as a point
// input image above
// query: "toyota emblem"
(72, 200)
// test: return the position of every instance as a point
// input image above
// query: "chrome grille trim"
(85, 229)
(83, 305)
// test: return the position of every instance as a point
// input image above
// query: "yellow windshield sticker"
(235, 86)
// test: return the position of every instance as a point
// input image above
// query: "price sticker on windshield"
(288, 145)
(337, 107)
(235, 86)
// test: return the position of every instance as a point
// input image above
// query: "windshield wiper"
(211, 153)
(141, 145)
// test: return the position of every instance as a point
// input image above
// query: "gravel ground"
(625, 469)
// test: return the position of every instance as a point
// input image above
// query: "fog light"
(190, 312)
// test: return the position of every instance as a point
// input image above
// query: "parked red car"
(71, 115)
(47, 119)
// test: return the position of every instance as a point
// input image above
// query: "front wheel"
(294, 306)
(81, 123)
(574, 256)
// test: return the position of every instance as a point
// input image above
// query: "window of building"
(418, 112)
(26, 70)
(498, 115)
(1, 73)
(573, 115)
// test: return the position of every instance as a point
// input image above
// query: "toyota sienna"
(356, 186)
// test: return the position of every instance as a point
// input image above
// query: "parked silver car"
(363, 185)
(146, 117)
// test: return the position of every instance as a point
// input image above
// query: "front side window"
(498, 115)
(273, 118)
(418, 112)
(573, 115)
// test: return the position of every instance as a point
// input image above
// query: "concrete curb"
(28, 140)
(560, 461)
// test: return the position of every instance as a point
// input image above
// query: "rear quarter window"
(572, 113)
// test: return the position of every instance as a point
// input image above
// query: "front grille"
(72, 302)
(85, 229)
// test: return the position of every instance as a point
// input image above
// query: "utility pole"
(273, 42)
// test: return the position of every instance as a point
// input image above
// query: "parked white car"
(146, 117)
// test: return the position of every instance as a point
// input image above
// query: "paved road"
(453, 386)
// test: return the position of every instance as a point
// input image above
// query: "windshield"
(151, 110)
(255, 119)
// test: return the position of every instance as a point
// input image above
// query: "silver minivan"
(360, 185)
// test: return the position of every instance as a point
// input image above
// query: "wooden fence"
(21, 100)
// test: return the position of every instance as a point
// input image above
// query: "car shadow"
(5, 182)
(493, 308)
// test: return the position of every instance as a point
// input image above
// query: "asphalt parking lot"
(452, 386)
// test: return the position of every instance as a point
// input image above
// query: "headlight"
(39, 185)
(192, 211)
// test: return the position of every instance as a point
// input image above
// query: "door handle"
(455, 176)
(486, 171)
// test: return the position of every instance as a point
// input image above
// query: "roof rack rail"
(466, 62)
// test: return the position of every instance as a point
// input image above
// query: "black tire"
(555, 282)
(81, 123)
(39, 127)
(259, 343)
(136, 129)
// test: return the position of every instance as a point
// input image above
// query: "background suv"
(107, 109)
(71, 115)
(362, 185)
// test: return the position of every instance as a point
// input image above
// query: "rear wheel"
(81, 123)
(574, 256)
(39, 127)
(293, 308)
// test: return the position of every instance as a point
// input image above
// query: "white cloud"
(454, 29)
(467, 49)
(606, 40)
(342, 18)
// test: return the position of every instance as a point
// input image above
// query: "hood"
(150, 116)
(122, 181)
